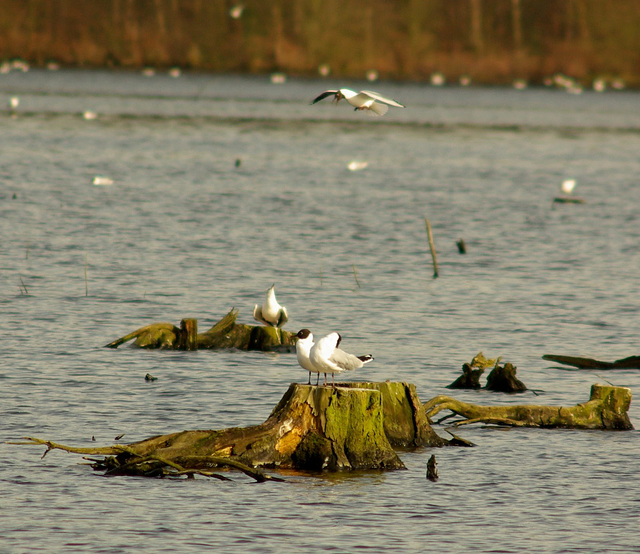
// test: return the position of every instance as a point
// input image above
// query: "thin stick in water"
(24, 287)
(433, 248)
(86, 282)
(355, 275)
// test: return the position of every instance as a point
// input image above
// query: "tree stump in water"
(311, 428)
(503, 379)
(607, 408)
(405, 422)
(226, 333)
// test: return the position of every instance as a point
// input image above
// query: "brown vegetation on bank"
(491, 41)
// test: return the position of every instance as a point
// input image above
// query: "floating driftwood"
(352, 426)
(607, 408)
(632, 362)
(226, 333)
(568, 200)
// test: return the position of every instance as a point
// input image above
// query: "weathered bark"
(632, 362)
(311, 428)
(226, 333)
(607, 408)
(503, 379)
(405, 423)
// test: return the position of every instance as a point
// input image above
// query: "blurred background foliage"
(491, 41)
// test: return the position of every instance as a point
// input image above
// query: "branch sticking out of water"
(432, 246)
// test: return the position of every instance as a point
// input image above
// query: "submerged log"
(607, 408)
(632, 362)
(311, 428)
(226, 333)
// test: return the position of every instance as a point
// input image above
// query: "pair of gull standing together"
(321, 357)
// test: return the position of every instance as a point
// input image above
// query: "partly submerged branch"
(607, 408)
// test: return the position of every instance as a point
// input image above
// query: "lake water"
(183, 232)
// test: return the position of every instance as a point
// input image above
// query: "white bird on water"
(568, 185)
(368, 100)
(271, 313)
(326, 357)
(303, 348)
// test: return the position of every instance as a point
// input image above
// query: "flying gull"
(363, 100)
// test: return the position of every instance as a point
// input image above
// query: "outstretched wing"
(324, 95)
(382, 99)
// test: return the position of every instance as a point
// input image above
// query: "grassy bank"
(492, 41)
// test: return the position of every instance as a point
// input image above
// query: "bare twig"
(432, 246)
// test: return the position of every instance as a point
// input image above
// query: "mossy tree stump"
(226, 333)
(607, 408)
(311, 428)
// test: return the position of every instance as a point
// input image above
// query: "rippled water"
(183, 232)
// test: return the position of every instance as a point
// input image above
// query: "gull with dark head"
(326, 357)
(271, 313)
(303, 348)
(368, 100)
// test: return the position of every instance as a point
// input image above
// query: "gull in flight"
(303, 348)
(271, 313)
(326, 357)
(363, 100)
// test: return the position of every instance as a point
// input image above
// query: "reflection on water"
(185, 232)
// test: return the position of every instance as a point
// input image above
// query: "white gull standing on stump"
(271, 313)
(303, 348)
(326, 357)
(368, 100)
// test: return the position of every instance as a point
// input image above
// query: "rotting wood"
(503, 379)
(224, 334)
(311, 429)
(606, 409)
(631, 362)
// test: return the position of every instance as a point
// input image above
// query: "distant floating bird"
(271, 313)
(89, 115)
(175, 72)
(148, 72)
(356, 166)
(303, 348)
(567, 188)
(568, 185)
(372, 75)
(101, 181)
(14, 102)
(520, 84)
(326, 357)
(363, 100)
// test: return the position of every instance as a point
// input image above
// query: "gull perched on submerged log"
(368, 100)
(271, 313)
(326, 357)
